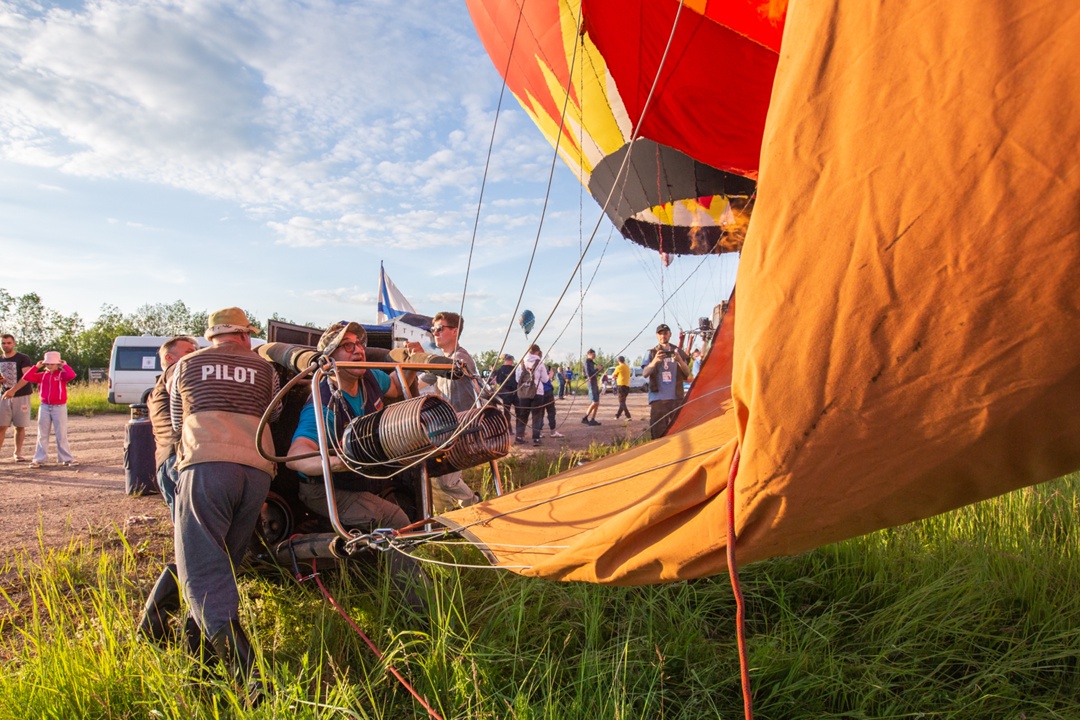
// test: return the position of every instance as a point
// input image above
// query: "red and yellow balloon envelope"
(695, 109)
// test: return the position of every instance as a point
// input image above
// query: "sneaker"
(519, 439)
(556, 433)
(585, 420)
(71, 463)
(595, 422)
(536, 441)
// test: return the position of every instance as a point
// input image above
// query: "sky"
(270, 155)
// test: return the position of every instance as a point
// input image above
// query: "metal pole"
(324, 452)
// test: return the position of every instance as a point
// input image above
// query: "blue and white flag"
(392, 304)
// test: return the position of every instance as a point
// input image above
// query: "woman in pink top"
(53, 375)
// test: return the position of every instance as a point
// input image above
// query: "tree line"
(38, 329)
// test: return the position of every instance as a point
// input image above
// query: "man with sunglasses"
(450, 491)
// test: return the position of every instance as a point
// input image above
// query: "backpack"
(526, 389)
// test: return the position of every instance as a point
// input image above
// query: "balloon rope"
(621, 177)
(401, 536)
(487, 166)
(740, 605)
(371, 645)
(547, 200)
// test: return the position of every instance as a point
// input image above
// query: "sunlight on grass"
(973, 614)
(86, 399)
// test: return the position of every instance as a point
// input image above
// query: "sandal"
(72, 463)
(35, 464)
(18, 458)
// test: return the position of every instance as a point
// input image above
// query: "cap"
(662, 327)
(53, 358)
(229, 320)
(334, 334)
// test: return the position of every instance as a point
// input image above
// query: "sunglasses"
(436, 329)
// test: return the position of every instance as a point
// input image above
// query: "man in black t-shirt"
(592, 374)
(14, 406)
(506, 386)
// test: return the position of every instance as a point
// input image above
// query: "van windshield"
(137, 358)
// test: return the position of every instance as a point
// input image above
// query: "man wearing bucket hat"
(217, 398)
(53, 374)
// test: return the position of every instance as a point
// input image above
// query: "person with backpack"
(531, 376)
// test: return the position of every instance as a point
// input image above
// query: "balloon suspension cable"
(432, 713)
(621, 177)
(578, 491)
(385, 540)
(736, 588)
(547, 197)
(663, 305)
(487, 166)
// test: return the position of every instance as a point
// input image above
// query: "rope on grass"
(432, 713)
(736, 588)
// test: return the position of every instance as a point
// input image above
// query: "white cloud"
(301, 141)
(323, 108)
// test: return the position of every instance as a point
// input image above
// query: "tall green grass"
(86, 398)
(974, 614)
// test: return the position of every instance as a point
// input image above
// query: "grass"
(86, 399)
(973, 614)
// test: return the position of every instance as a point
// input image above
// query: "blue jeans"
(52, 418)
(166, 480)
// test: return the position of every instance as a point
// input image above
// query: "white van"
(134, 366)
(637, 380)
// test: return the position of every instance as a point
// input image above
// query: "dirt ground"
(49, 506)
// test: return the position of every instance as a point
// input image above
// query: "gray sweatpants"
(217, 508)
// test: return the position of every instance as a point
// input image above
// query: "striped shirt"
(216, 400)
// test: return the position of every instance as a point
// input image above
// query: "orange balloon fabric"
(908, 305)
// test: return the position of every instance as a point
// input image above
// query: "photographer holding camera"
(666, 370)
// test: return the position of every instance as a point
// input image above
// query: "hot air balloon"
(666, 140)
(527, 321)
(906, 298)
